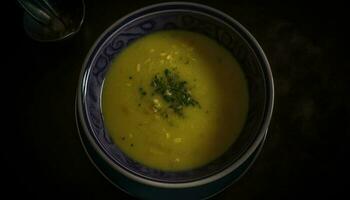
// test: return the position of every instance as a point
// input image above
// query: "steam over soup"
(174, 100)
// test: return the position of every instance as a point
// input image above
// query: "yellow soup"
(174, 100)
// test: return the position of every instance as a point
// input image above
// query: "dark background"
(307, 145)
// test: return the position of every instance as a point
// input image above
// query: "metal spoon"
(52, 20)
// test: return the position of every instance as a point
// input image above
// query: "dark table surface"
(306, 148)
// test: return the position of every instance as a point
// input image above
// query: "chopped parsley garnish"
(173, 90)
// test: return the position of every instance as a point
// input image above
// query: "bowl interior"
(208, 22)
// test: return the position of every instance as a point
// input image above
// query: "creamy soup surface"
(174, 100)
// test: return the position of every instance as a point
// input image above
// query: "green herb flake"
(164, 114)
(142, 91)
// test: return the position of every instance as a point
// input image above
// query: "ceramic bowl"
(203, 182)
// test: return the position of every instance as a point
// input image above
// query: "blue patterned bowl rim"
(190, 7)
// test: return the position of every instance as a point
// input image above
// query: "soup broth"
(174, 100)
